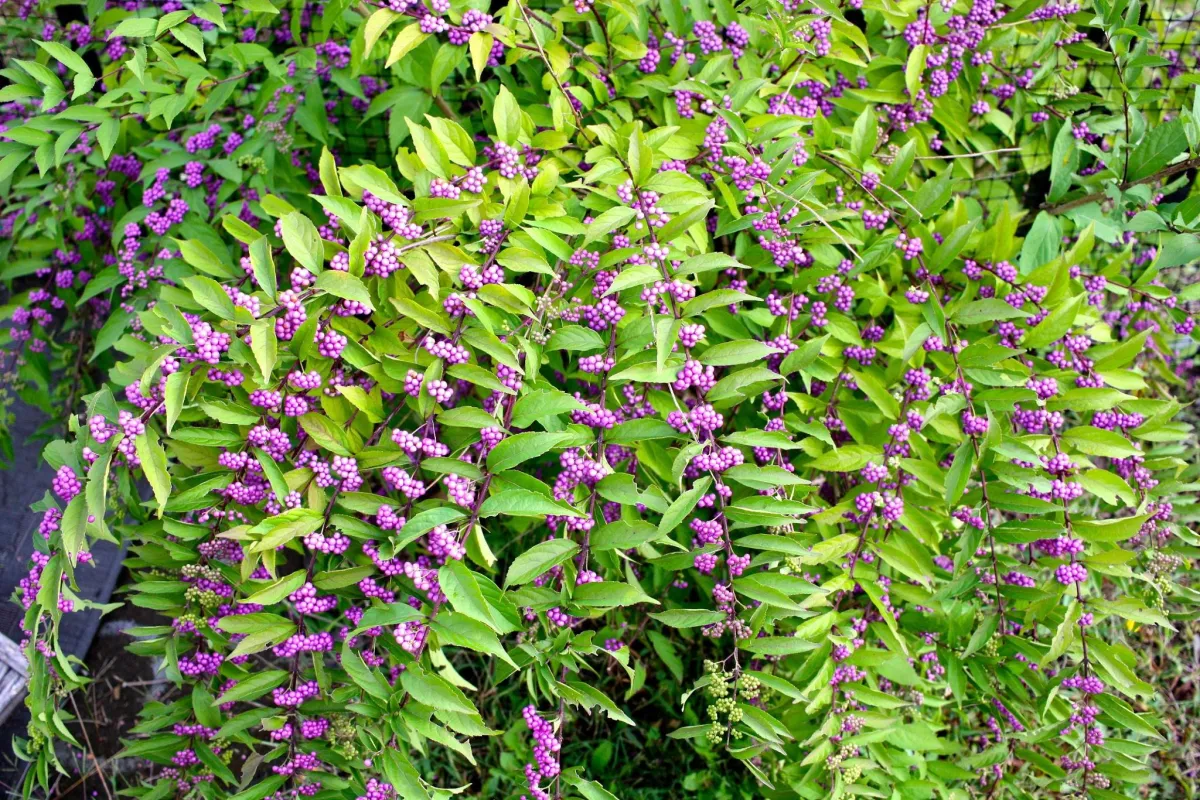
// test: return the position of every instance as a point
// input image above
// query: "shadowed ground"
(21, 485)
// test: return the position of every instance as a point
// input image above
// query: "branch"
(1165, 172)
(557, 82)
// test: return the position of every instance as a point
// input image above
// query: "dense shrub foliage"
(776, 399)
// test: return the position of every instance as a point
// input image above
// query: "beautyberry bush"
(771, 399)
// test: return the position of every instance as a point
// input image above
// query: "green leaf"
(154, 464)
(521, 447)
(1055, 325)
(732, 353)
(278, 590)
(542, 404)
(906, 560)
(1098, 442)
(959, 473)
(609, 594)
(481, 49)
(368, 403)
(990, 309)
(229, 413)
(688, 617)
(871, 697)
(467, 417)
(96, 491)
(1108, 530)
(326, 433)
(1042, 243)
(1161, 145)
(261, 638)
(590, 790)
(800, 359)
(265, 346)
(622, 535)
(1124, 716)
(420, 314)
(459, 630)
(375, 26)
(190, 37)
(515, 502)
(574, 337)
(462, 592)
(401, 774)
(777, 645)
(1064, 161)
(386, 616)
(913, 736)
(1087, 400)
(345, 286)
(518, 204)
(1107, 486)
(914, 68)
(768, 476)
(435, 691)
(777, 440)
(405, 42)
(849, 458)
(1112, 661)
(607, 222)
(640, 157)
(598, 698)
(1179, 249)
(506, 115)
(1123, 354)
(538, 559)
(707, 262)
(214, 764)
(1064, 635)
(106, 135)
(112, 330)
(252, 623)
(363, 676)
(328, 172)
(262, 789)
(427, 520)
(302, 241)
(253, 687)
(667, 652)
(263, 264)
(865, 134)
(209, 294)
(136, 27)
(682, 506)
(273, 474)
(74, 528)
(84, 79)
(174, 396)
(429, 149)
(341, 578)
(877, 393)
(983, 633)
(205, 260)
(634, 275)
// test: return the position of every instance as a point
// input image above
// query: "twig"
(550, 69)
(969, 155)
(1125, 103)
(1165, 172)
(91, 751)
(604, 32)
(444, 107)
